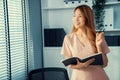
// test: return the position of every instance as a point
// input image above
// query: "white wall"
(61, 19)
(113, 68)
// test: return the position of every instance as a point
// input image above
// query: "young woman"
(83, 41)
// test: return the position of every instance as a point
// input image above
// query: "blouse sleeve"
(105, 48)
(65, 48)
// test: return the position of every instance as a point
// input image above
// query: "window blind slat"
(16, 39)
(3, 57)
(12, 42)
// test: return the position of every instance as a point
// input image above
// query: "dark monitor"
(113, 40)
(53, 37)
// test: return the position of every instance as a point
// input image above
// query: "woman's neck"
(81, 32)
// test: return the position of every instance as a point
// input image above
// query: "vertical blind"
(13, 41)
(3, 54)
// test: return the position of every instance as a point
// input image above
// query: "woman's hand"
(99, 39)
(80, 65)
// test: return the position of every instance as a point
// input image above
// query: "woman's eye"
(76, 16)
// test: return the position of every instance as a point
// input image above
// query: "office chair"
(51, 73)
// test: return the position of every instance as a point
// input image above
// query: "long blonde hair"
(89, 22)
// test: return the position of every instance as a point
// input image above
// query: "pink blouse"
(72, 47)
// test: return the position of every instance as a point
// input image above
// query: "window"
(13, 40)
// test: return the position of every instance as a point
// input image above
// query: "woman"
(83, 41)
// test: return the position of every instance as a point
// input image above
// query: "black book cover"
(73, 60)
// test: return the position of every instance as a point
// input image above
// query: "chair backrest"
(51, 73)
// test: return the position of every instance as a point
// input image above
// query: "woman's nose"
(76, 18)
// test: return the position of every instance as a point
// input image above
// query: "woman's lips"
(77, 23)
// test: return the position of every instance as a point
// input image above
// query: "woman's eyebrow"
(78, 14)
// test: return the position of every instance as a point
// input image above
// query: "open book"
(73, 60)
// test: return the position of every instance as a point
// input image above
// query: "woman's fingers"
(89, 62)
(100, 34)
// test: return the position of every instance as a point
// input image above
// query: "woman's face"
(78, 19)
